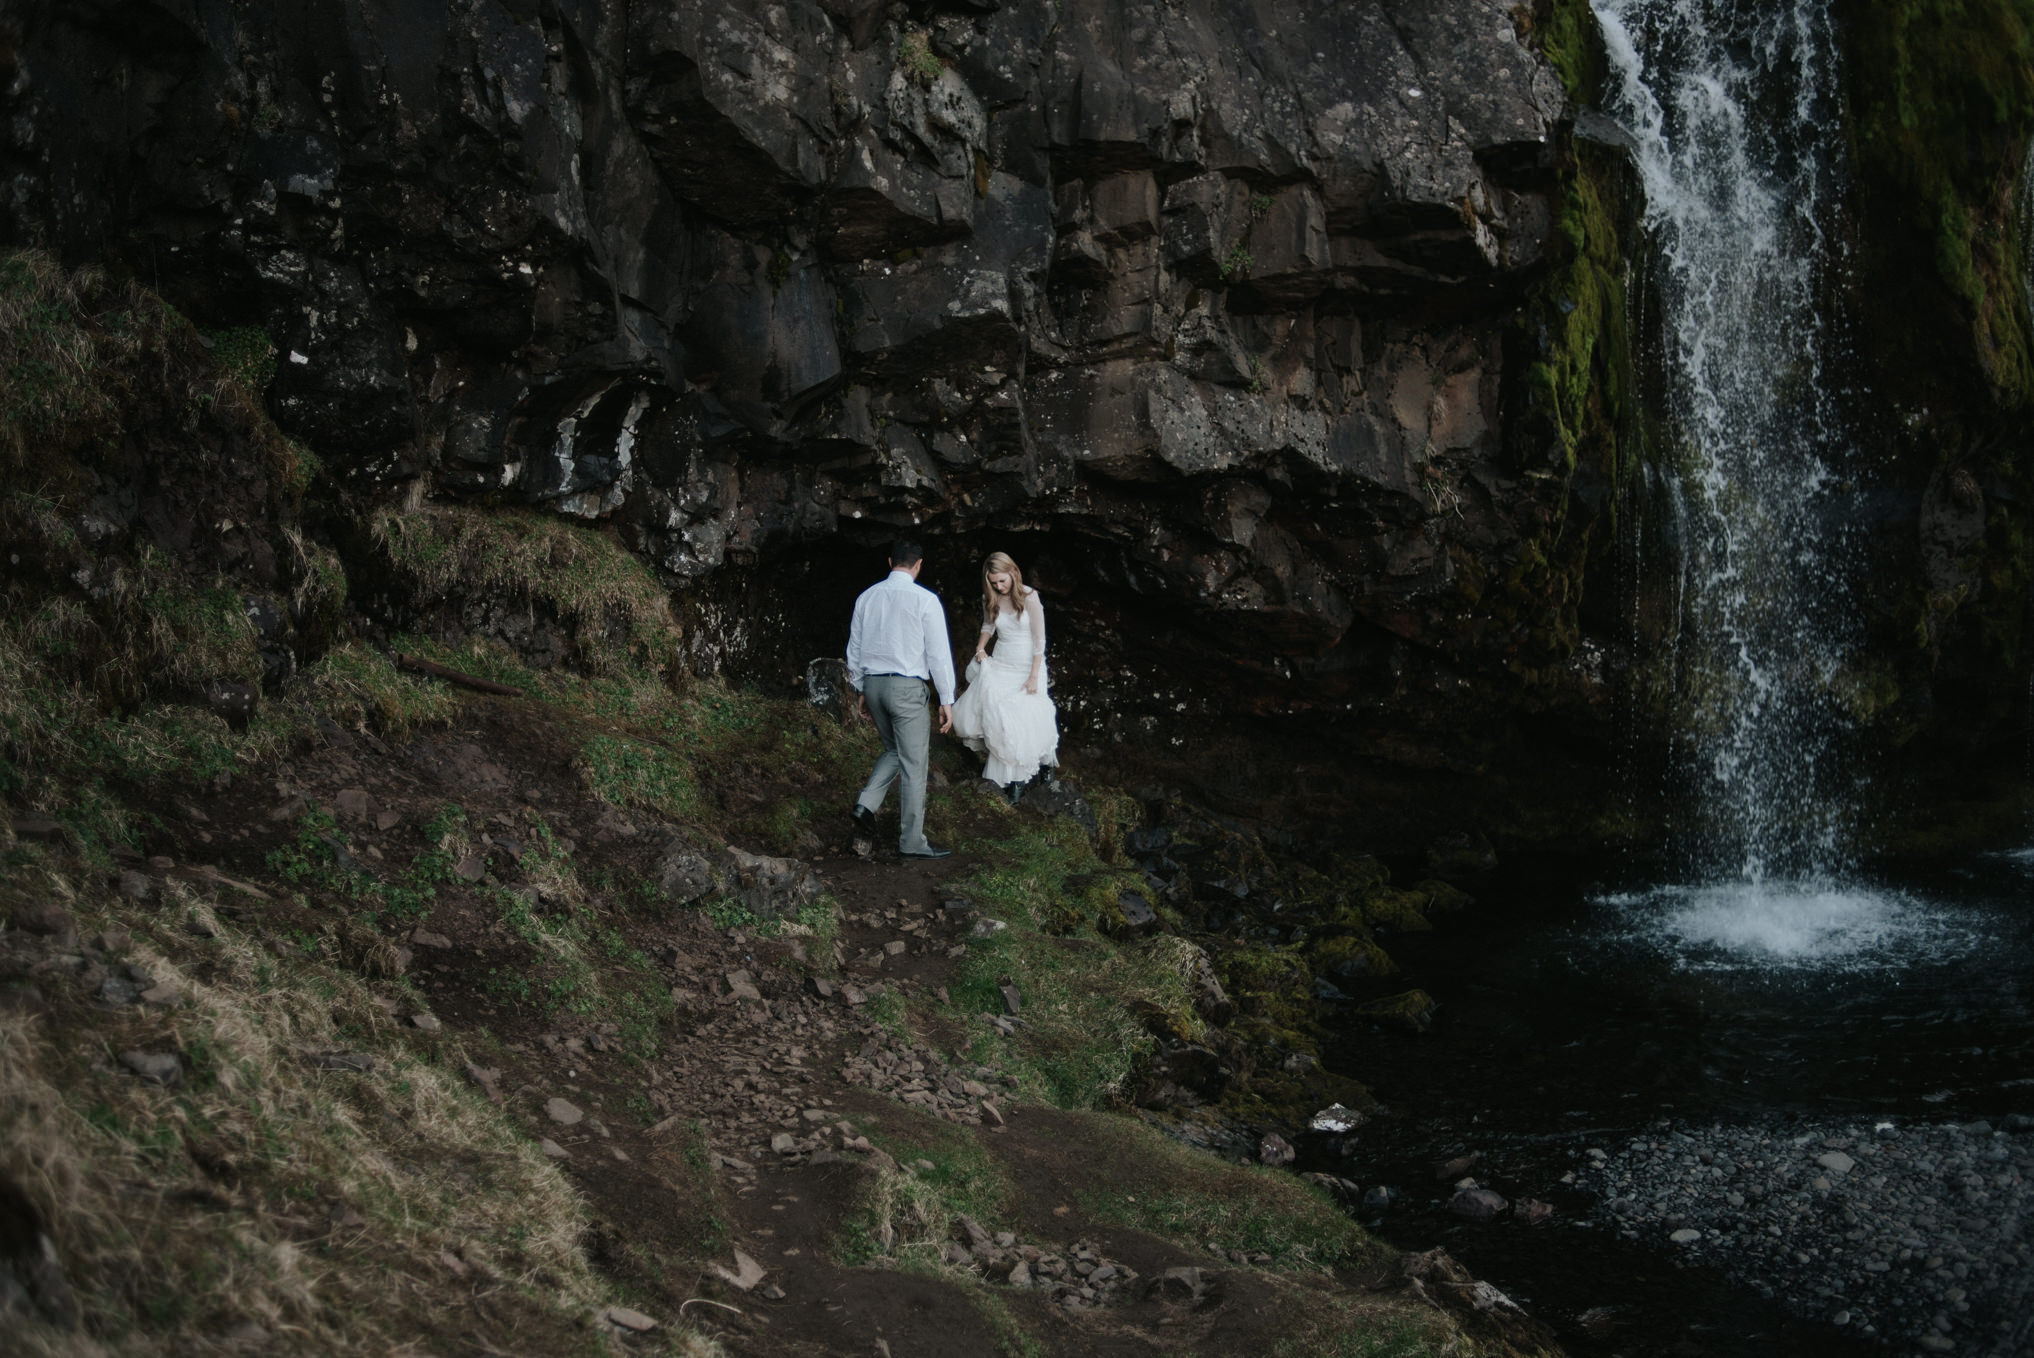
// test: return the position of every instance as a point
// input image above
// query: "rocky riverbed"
(1913, 1233)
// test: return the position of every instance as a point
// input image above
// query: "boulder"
(692, 870)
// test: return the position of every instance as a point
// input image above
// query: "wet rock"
(1478, 1204)
(1275, 1150)
(233, 703)
(1335, 1120)
(827, 688)
(1456, 857)
(1836, 1162)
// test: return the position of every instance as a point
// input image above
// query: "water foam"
(1783, 925)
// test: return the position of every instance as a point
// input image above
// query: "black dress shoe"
(865, 821)
(927, 853)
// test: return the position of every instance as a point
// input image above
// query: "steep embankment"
(346, 1009)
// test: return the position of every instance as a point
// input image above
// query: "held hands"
(945, 718)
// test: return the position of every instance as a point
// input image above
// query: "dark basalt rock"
(1207, 312)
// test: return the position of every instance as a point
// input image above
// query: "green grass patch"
(1081, 1039)
(1197, 1200)
(943, 1173)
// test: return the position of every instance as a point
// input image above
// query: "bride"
(1006, 712)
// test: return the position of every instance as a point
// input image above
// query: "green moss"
(246, 355)
(1350, 955)
(1569, 37)
(1390, 908)
(1942, 100)
(1412, 1011)
(618, 613)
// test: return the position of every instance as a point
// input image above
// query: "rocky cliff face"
(1221, 315)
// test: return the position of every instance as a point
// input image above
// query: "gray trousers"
(903, 715)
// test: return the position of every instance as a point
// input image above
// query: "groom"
(896, 645)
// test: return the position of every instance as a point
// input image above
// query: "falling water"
(1733, 105)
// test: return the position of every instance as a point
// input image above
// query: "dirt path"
(781, 1104)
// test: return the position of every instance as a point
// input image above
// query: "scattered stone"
(485, 1077)
(136, 886)
(745, 1274)
(553, 1149)
(427, 1022)
(986, 926)
(234, 703)
(113, 942)
(562, 1112)
(354, 804)
(118, 989)
(823, 988)
(1335, 1120)
(1276, 1151)
(471, 868)
(1836, 1162)
(424, 938)
(1181, 1284)
(163, 994)
(895, 947)
(1455, 1168)
(53, 922)
(621, 1317)
(1012, 1001)
(163, 1068)
(1478, 1204)
(1532, 1211)
(741, 987)
(385, 821)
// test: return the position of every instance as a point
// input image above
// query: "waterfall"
(1733, 105)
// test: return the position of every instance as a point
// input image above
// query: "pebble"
(563, 1113)
(1909, 1233)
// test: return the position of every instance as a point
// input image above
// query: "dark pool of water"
(1577, 1009)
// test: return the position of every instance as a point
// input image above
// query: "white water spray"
(1733, 108)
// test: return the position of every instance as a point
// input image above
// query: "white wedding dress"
(1018, 731)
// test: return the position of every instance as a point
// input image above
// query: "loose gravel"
(1916, 1234)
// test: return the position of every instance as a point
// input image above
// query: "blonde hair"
(999, 563)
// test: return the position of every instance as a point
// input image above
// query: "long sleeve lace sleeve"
(1034, 613)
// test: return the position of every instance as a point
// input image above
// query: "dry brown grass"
(183, 1216)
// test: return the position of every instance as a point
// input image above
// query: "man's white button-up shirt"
(900, 628)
